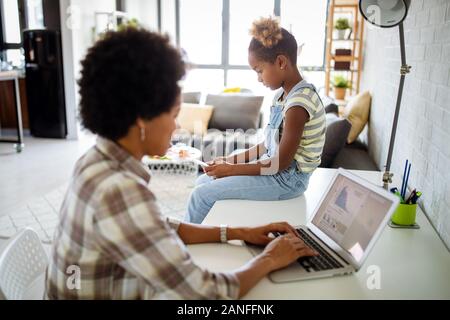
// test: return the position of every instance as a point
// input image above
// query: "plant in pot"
(340, 84)
(341, 25)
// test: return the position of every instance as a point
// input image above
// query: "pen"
(406, 182)
(416, 198)
(404, 177)
(412, 196)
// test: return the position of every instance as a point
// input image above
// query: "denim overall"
(286, 184)
(272, 132)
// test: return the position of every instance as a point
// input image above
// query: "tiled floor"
(33, 184)
(40, 213)
(42, 167)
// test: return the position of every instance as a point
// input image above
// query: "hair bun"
(267, 31)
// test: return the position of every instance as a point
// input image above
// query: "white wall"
(424, 130)
(77, 21)
(82, 31)
(69, 75)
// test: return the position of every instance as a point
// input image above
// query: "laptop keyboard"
(322, 262)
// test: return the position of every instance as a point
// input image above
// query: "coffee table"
(178, 160)
(173, 179)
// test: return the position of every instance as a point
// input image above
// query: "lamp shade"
(384, 13)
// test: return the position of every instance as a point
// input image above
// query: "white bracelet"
(223, 233)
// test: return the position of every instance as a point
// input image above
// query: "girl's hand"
(220, 160)
(218, 171)
(262, 235)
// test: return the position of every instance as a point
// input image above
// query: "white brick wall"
(423, 134)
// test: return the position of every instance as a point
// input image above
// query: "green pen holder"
(405, 215)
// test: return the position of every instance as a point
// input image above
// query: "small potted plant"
(341, 25)
(340, 84)
(132, 23)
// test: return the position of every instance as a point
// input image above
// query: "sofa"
(337, 152)
(242, 114)
(236, 123)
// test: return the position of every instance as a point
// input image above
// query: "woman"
(111, 229)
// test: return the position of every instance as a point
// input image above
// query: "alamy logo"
(74, 279)
(374, 279)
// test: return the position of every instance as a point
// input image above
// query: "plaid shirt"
(112, 232)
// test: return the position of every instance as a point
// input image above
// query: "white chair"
(22, 267)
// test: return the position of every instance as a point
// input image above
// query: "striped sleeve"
(309, 153)
(305, 99)
(130, 229)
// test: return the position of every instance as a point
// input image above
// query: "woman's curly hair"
(128, 75)
(269, 40)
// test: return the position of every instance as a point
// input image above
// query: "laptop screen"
(351, 214)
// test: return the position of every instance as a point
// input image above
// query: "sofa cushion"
(357, 112)
(354, 157)
(194, 117)
(336, 136)
(192, 97)
(218, 143)
(235, 111)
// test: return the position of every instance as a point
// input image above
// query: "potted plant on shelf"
(340, 84)
(341, 25)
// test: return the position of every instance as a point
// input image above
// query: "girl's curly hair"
(269, 40)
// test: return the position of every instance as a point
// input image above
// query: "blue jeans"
(285, 185)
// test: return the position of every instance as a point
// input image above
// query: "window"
(145, 11)
(35, 15)
(202, 41)
(215, 35)
(247, 79)
(15, 57)
(308, 29)
(168, 19)
(242, 14)
(15, 16)
(11, 22)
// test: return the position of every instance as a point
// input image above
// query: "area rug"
(41, 214)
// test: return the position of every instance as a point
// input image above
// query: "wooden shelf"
(333, 70)
(350, 10)
(344, 58)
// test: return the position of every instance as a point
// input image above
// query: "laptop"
(344, 228)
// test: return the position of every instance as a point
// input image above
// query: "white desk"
(414, 264)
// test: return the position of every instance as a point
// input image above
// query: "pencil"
(407, 181)
(404, 177)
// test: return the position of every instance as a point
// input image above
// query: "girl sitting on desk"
(297, 118)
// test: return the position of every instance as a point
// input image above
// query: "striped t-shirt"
(309, 152)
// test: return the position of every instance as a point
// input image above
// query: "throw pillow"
(195, 118)
(357, 112)
(235, 111)
(192, 97)
(337, 133)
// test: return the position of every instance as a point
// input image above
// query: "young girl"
(294, 138)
